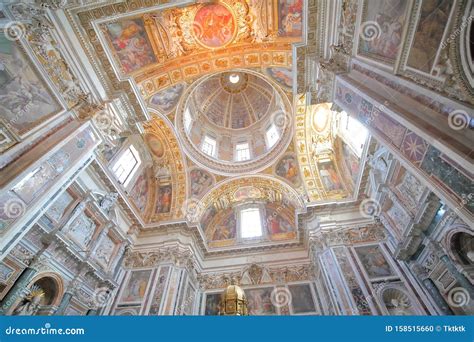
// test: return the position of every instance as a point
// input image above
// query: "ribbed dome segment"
(234, 100)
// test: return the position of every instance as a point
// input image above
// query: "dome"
(234, 122)
(234, 100)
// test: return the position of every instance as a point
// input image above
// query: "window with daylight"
(126, 165)
(209, 146)
(187, 120)
(242, 152)
(272, 136)
(354, 132)
(250, 223)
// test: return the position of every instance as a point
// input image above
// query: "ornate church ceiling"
(230, 63)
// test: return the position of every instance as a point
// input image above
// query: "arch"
(395, 300)
(459, 243)
(55, 281)
(44, 290)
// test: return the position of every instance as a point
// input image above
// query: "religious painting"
(82, 229)
(247, 192)
(429, 33)
(201, 181)
(287, 168)
(58, 208)
(166, 100)
(302, 300)
(329, 176)
(139, 192)
(25, 100)
(136, 286)
(155, 145)
(130, 44)
(276, 223)
(213, 304)
(381, 29)
(290, 18)
(214, 25)
(105, 250)
(351, 162)
(159, 290)
(163, 199)
(225, 226)
(5, 272)
(282, 76)
(374, 262)
(30, 186)
(260, 302)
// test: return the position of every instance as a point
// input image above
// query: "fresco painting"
(301, 298)
(155, 145)
(201, 181)
(130, 44)
(287, 168)
(213, 301)
(25, 100)
(290, 18)
(139, 192)
(429, 33)
(351, 162)
(214, 25)
(225, 226)
(382, 28)
(329, 176)
(259, 301)
(166, 100)
(136, 286)
(374, 262)
(276, 223)
(282, 76)
(163, 199)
